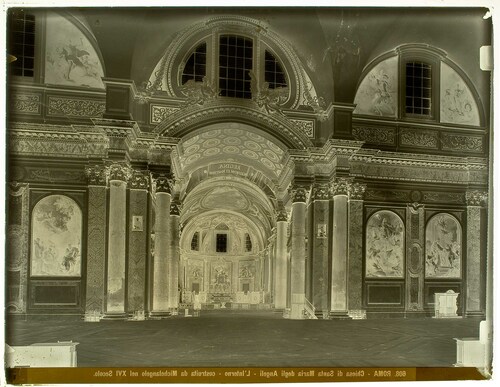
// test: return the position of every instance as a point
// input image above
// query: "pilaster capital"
(139, 180)
(476, 198)
(321, 192)
(162, 183)
(281, 214)
(96, 174)
(341, 186)
(298, 194)
(356, 191)
(119, 171)
(175, 209)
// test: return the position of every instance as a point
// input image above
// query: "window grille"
(235, 63)
(273, 72)
(418, 88)
(195, 67)
(22, 43)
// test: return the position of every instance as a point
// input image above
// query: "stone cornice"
(221, 109)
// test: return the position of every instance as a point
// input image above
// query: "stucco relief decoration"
(220, 277)
(443, 248)
(25, 103)
(195, 270)
(271, 100)
(377, 93)
(56, 241)
(457, 103)
(70, 57)
(247, 269)
(160, 113)
(385, 246)
(198, 93)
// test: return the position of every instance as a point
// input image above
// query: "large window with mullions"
(418, 88)
(234, 60)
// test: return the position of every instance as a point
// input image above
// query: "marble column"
(475, 202)
(298, 253)
(281, 272)
(137, 241)
(118, 175)
(160, 261)
(355, 246)
(96, 237)
(338, 306)
(173, 257)
(319, 245)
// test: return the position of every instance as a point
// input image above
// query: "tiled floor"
(254, 338)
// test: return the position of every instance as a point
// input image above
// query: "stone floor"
(253, 338)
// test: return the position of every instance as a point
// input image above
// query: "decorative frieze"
(139, 180)
(476, 198)
(392, 195)
(25, 103)
(419, 138)
(356, 191)
(96, 174)
(321, 192)
(75, 107)
(375, 134)
(443, 197)
(462, 142)
(341, 186)
(305, 125)
(160, 113)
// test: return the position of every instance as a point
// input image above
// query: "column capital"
(340, 186)
(476, 198)
(321, 191)
(96, 174)
(162, 183)
(139, 180)
(298, 193)
(175, 209)
(357, 191)
(119, 171)
(281, 214)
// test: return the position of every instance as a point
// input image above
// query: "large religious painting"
(384, 246)
(56, 242)
(443, 247)
(220, 277)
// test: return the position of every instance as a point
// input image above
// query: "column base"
(116, 316)
(475, 314)
(160, 314)
(339, 315)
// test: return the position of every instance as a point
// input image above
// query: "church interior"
(296, 163)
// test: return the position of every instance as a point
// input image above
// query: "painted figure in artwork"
(384, 245)
(382, 100)
(443, 247)
(56, 244)
(456, 104)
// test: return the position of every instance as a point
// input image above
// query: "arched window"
(195, 67)
(238, 61)
(195, 241)
(248, 243)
